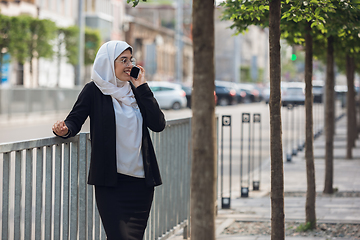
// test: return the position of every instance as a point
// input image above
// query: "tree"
(350, 106)
(18, 35)
(309, 142)
(17, 47)
(67, 39)
(345, 19)
(267, 13)
(348, 66)
(277, 170)
(347, 49)
(92, 45)
(329, 116)
(42, 31)
(203, 173)
(310, 18)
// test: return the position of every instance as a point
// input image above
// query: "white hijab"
(103, 72)
(127, 114)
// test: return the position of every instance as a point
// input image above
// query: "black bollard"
(225, 201)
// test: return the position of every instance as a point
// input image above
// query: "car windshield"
(294, 91)
(158, 88)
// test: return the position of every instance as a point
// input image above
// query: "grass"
(305, 227)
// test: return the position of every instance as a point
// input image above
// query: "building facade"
(105, 15)
(151, 30)
(154, 40)
(242, 57)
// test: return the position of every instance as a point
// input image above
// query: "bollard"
(294, 150)
(256, 185)
(288, 155)
(225, 122)
(300, 148)
(257, 119)
(245, 118)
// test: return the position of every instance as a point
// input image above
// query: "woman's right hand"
(60, 128)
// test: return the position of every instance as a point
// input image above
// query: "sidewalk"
(329, 209)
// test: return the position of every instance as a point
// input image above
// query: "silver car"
(168, 95)
(293, 94)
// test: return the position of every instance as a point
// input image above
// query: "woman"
(123, 164)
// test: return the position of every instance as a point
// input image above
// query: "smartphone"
(135, 72)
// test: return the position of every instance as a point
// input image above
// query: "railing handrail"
(42, 142)
(35, 143)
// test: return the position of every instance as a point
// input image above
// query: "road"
(33, 127)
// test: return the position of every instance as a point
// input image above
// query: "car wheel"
(176, 106)
(223, 102)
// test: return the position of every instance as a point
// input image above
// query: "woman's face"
(123, 66)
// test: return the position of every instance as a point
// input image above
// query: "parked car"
(266, 95)
(340, 91)
(169, 95)
(225, 95)
(293, 93)
(188, 91)
(252, 94)
(240, 94)
(318, 90)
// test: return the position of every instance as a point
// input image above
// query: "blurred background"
(48, 47)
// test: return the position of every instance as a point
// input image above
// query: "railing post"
(48, 192)
(5, 196)
(39, 191)
(74, 191)
(82, 187)
(89, 188)
(57, 190)
(28, 193)
(17, 202)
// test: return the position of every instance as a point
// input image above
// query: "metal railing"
(44, 192)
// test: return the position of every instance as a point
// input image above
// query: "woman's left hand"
(141, 79)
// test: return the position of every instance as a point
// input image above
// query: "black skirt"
(124, 209)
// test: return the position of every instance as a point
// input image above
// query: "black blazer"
(99, 107)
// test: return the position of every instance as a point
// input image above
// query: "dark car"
(318, 90)
(252, 94)
(240, 94)
(225, 95)
(188, 91)
(188, 95)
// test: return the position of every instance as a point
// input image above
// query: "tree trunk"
(203, 171)
(329, 117)
(277, 170)
(59, 63)
(357, 106)
(309, 150)
(350, 107)
(31, 72)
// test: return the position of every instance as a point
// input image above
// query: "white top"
(128, 138)
(128, 117)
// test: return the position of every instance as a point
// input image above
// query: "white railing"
(45, 195)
